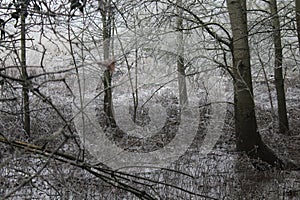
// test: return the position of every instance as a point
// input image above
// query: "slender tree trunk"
(134, 87)
(183, 98)
(25, 87)
(297, 2)
(247, 136)
(105, 9)
(279, 81)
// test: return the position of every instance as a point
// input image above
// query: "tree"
(297, 3)
(20, 12)
(279, 81)
(105, 8)
(183, 98)
(247, 135)
(25, 87)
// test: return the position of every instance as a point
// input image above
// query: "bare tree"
(105, 8)
(297, 3)
(25, 89)
(183, 97)
(279, 80)
(248, 137)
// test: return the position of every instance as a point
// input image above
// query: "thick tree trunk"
(246, 127)
(247, 136)
(25, 87)
(297, 2)
(183, 98)
(279, 81)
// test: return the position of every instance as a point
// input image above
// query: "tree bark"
(248, 139)
(183, 97)
(246, 127)
(105, 10)
(25, 86)
(279, 81)
(297, 2)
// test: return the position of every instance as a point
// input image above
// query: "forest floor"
(286, 145)
(221, 174)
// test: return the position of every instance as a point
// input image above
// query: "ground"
(222, 174)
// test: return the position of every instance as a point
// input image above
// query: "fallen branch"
(112, 177)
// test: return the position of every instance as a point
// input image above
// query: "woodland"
(149, 99)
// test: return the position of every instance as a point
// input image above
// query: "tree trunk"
(183, 98)
(279, 81)
(25, 87)
(297, 2)
(108, 106)
(105, 9)
(247, 136)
